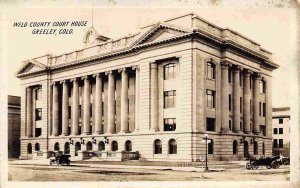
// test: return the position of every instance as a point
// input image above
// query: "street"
(107, 172)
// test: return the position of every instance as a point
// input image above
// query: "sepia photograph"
(143, 96)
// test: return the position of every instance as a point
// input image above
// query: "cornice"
(196, 33)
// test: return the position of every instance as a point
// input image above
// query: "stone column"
(65, 108)
(29, 112)
(124, 102)
(236, 99)
(111, 103)
(98, 104)
(86, 105)
(246, 102)
(137, 98)
(55, 109)
(75, 107)
(224, 97)
(257, 78)
(154, 97)
(268, 82)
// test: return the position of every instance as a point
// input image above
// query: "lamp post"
(207, 140)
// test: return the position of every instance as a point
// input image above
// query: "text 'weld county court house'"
(153, 94)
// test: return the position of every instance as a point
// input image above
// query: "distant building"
(281, 130)
(14, 126)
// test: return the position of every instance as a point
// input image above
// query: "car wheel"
(268, 166)
(248, 166)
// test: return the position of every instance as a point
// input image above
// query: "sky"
(273, 28)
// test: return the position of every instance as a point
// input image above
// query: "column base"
(123, 132)
(98, 132)
(247, 132)
(225, 130)
(154, 130)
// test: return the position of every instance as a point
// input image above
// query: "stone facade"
(281, 131)
(159, 91)
(13, 129)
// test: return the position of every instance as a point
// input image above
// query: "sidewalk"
(217, 166)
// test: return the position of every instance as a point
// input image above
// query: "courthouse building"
(151, 95)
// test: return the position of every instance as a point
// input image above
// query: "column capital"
(108, 72)
(54, 83)
(64, 81)
(247, 72)
(74, 79)
(237, 68)
(96, 75)
(122, 70)
(257, 75)
(225, 64)
(135, 67)
(153, 65)
(85, 77)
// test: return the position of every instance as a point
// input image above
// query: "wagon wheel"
(276, 165)
(248, 166)
(254, 166)
(269, 166)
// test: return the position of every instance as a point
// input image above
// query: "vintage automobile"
(60, 159)
(269, 162)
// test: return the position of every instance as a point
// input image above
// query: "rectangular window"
(210, 70)
(210, 96)
(38, 132)
(229, 101)
(91, 110)
(275, 143)
(229, 75)
(80, 111)
(241, 125)
(103, 108)
(280, 143)
(262, 88)
(69, 112)
(210, 124)
(280, 121)
(264, 109)
(38, 94)
(38, 114)
(170, 71)
(260, 109)
(280, 130)
(170, 99)
(263, 129)
(241, 104)
(251, 82)
(230, 127)
(250, 106)
(241, 79)
(275, 131)
(169, 124)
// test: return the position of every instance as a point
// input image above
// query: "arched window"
(37, 147)
(210, 147)
(56, 146)
(263, 148)
(29, 148)
(255, 148)
(210, 70)
(89, 146)
(157, 147)
(67, 148)
(101, 146)
(234, 147)
(77, 148)
(114, 145)
(128, 145)
(170, 71)
(172, 147)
